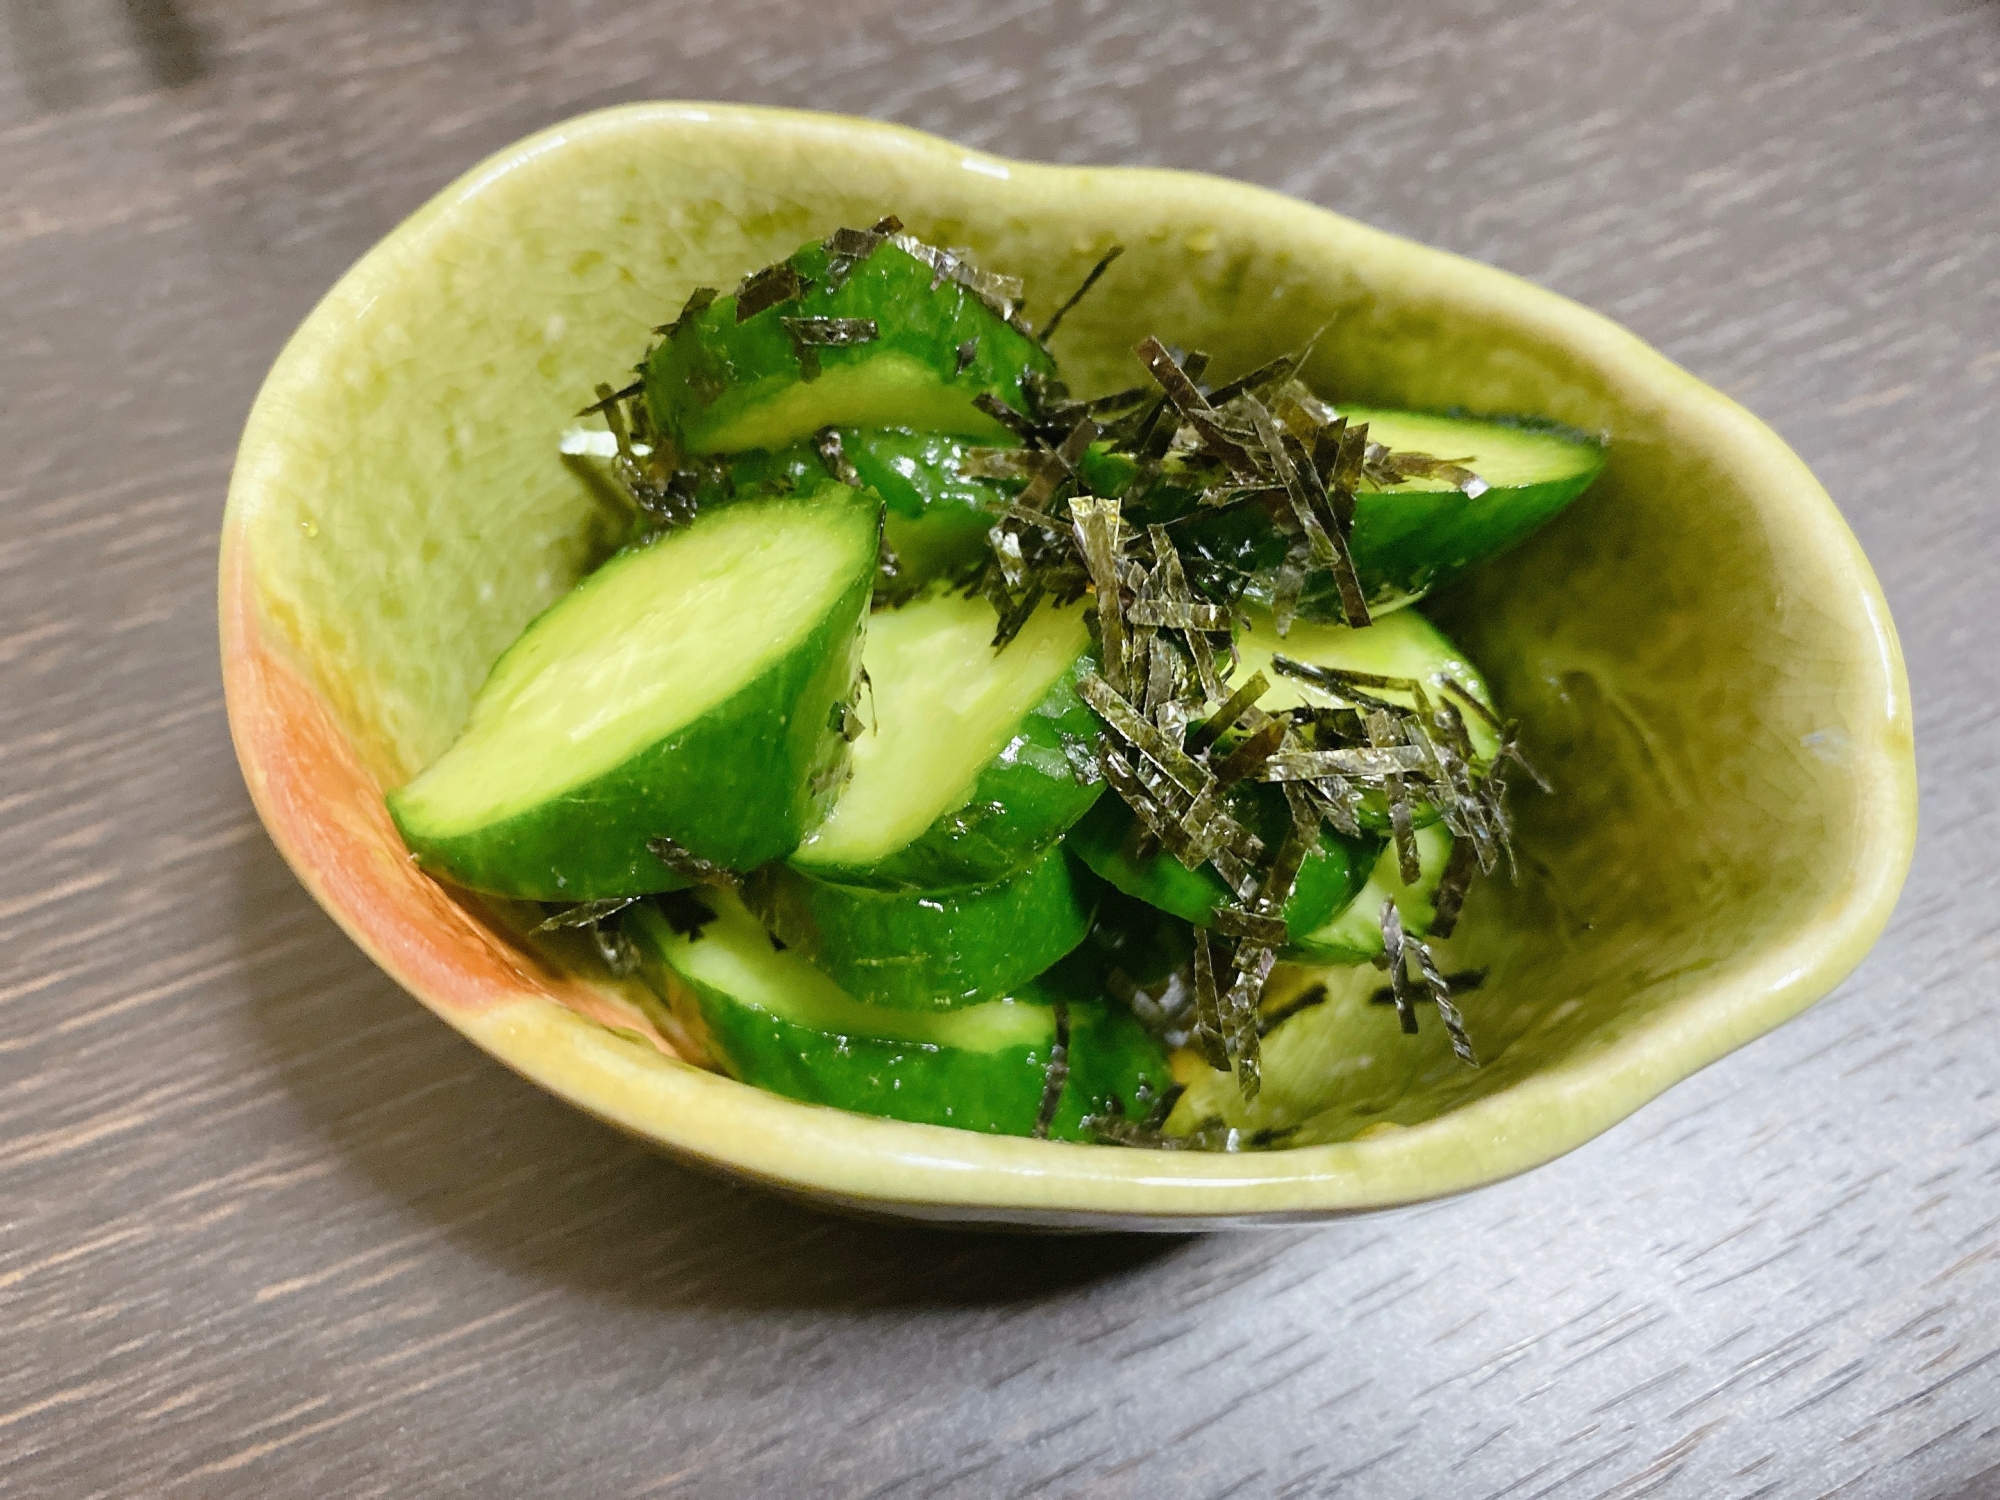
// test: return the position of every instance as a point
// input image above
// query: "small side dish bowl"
(1702, 658)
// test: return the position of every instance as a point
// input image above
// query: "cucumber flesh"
(1409, 539)
(930, 950)
(1353, 934)
(771, 1019)
(1333, 871)
(720, 386)
(687, 688)
(964, 771)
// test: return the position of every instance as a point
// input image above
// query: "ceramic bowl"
(1702, 657)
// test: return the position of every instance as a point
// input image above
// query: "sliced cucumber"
(688, 689)
(1410, 538)
(1334, 870)
(930, 950)
(963, 773)
(771, 1019)
(1353, 934)
(721, 386)
(937, 515)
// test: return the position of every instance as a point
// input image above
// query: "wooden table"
(267, 1228)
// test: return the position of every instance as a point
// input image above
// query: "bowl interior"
(1699, 653)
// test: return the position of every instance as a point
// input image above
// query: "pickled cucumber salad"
(949, 746)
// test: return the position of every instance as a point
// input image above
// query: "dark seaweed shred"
(810, 335)
(1055, 1078)
(696, 304)
(686, 913)
(771, 287)
(584, 914)
(692, 866)
(1096, 271)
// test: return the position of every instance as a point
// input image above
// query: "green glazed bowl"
(1702, 657)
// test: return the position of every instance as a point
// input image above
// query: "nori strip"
(1254, 752)
(1056, 1077)
(1312, 765)
(1268, 374)
(1187, 398)
(1022, 427)
(827, 444)
(1440, 991)
(844, 719)
(607, 403)
(1234, 921)
(1001, 294)
(1392, 959)
(691, 866)
(1224, 718)
(810, 335)
(1451, 888)
(584, 914)
(1177, 614)
(1208, 1038)
(768, 288)
(1129, 725)
(967, 352)
(1252, 963)
(848, 248)
(696, 304)
(685, 911)
(1056, 317)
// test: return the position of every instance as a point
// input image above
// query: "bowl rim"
(528, 1022)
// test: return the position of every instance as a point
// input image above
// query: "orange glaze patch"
(327, 817)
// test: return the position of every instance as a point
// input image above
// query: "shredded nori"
(1056, 1076)
(810, 335)
(692, 866)
(1056, 317)
(584, 914)
(696, 304)
(771, 287)
(686, 913)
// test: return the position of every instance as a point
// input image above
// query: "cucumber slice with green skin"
(930, 950)
(1409, 539)
(966, 770)
(771, 1019)
(688, 688)
(936, 515)
(1353, 935)
(1403, 644)
(1333, 871)
(720, 386)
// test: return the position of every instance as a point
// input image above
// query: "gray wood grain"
(267, 1228)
